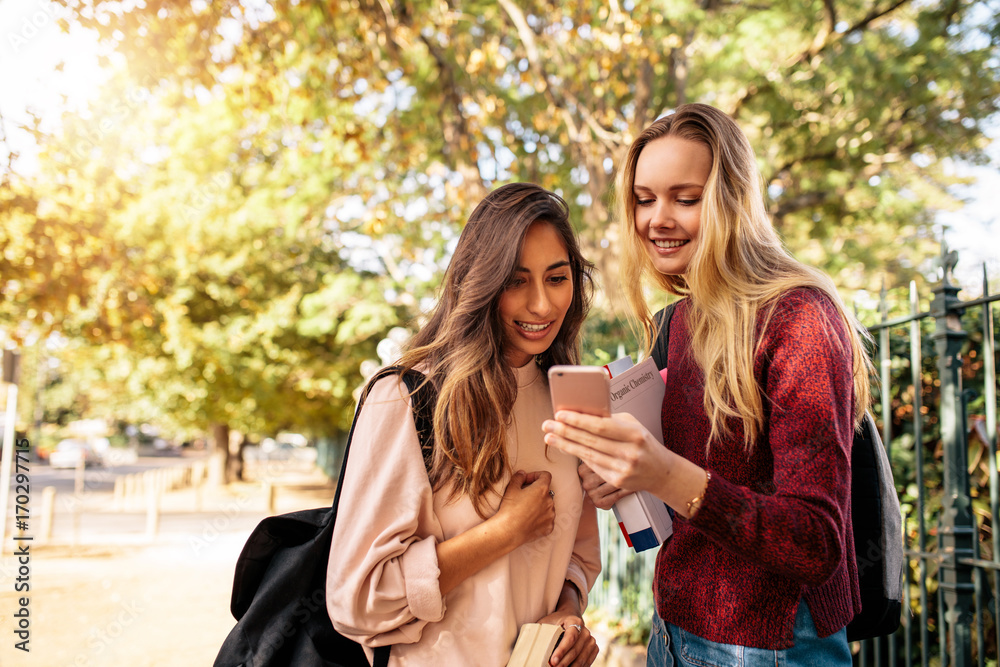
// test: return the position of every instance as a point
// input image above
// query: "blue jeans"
(670, 646)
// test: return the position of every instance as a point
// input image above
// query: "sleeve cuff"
(720, 507)
(575, 575)
(422, 576)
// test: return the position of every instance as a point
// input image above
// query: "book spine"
(635, 525)
(621, 524)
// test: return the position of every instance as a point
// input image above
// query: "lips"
(533, 328)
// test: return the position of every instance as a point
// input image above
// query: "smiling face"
(670, 178)
(535, 301)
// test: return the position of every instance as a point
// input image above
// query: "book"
(644, 519)
(535, 644)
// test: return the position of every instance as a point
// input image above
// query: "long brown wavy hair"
(738, 270)
(461, 349)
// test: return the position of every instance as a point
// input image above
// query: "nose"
(538, 300)
(661, 216)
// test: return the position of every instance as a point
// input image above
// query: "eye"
(558, 280)
(515, 282)
(688, 202)
(643, 202)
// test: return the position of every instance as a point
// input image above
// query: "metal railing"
(947, 605)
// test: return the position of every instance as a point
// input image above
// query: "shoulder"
(804, 305)
(805, 297)
(804, 314)
(388, 392)
(385, 424)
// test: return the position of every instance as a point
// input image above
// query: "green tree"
(264, 189)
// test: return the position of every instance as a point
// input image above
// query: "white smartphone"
(581, 389)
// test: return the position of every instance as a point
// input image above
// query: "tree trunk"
(237, 462)
(218, 455)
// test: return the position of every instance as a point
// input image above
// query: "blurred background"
(214, 213)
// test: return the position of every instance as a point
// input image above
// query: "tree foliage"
(264, 189)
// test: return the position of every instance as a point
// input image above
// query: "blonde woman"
(765, 382)
(446, 566)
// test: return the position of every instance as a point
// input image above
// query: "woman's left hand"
(577, 648)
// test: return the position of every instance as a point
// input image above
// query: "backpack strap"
(423, 400)
(661, 341)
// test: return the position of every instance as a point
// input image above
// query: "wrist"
(507, 533)
(570, 600)
(694, 504)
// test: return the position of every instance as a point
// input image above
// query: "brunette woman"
(447, 566)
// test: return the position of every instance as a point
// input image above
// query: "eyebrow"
(550, 267)
(680, 186)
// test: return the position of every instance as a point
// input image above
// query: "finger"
(587, 656)
(588, 478)
(607, 466)
(584, 421)
(585, 645)
(594, 482)
(614, 496)
(605, 501)
(620, 426)
(594, 440)
(567, 649)
(539, 480)
(573, 432)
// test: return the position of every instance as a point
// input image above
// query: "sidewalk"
(114, 598)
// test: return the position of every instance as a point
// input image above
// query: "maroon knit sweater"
(774, 526)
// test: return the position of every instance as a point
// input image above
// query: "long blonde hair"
(462, 345)
(739, 269)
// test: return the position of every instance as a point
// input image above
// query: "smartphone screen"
(581, 389)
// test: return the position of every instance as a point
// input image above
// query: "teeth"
(533, 328)
(668, 244)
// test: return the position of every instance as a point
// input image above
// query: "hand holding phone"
(581, 389)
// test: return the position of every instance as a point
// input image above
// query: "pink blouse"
(383, 577)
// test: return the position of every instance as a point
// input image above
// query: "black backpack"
(875, 517)
(279, 590)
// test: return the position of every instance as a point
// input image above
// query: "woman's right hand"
(602, 494)
(527, 512)
(527, 508)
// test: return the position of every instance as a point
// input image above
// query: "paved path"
(103, 594)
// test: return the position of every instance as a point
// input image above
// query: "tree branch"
(823, 40)
(828, 155)
(833, 37)
(643, 94)
(527, 37)
(458, 146)
(831, 15)
(799, 202)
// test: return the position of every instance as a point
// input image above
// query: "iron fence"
(949, 613)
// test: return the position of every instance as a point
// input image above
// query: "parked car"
(68, 454)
